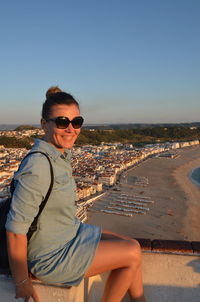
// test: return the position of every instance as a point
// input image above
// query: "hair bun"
(52, 90)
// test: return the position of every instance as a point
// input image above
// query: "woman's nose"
(69, 128)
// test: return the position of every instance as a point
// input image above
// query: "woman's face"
(61, 138)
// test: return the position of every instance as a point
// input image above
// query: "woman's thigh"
(113, 252)
(108, 235)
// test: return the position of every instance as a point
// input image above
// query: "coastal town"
(95, 168)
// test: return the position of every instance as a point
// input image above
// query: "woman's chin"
(61, 147)
(65, 143)
(69, 144)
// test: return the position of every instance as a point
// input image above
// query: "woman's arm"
(32, 183)
(17, 253)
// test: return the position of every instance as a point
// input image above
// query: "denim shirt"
(57, 224)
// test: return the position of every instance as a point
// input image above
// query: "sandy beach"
(175, 213)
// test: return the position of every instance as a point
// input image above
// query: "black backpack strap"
(33, 226)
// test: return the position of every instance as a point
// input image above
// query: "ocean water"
(195, 176)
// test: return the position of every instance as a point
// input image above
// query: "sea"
(195, 176)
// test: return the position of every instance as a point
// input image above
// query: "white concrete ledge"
(170, 277)
(89, 290)
(45, 292)
(167, 277)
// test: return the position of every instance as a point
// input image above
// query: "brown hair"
(54, 96)
(52, 90)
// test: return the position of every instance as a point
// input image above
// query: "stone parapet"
(171, 272)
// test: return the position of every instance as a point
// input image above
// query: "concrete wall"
(167, 278)
(171, 278)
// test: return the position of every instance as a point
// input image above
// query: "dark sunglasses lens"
(62, 122)
(77, 122)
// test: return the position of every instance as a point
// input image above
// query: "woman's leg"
(122, 256)
(136, 283)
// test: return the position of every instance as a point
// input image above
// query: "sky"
(130, 61)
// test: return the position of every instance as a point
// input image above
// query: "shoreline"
(194, 176)
(175, 213)
(191, 220)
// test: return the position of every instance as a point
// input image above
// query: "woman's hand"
(26, 291)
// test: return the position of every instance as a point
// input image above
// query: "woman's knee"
(134, 252)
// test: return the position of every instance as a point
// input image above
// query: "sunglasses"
(62, 122)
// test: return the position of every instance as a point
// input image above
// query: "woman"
(63, 250)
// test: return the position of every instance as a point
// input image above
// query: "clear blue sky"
(125, 61)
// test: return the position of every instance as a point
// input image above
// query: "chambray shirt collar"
(51, 150)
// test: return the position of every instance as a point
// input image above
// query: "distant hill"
(111, 126)
(25, 127)
(14, 126)
(139, 126)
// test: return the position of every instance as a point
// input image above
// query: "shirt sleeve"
(32, 182)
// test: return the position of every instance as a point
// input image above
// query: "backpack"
(4, 209)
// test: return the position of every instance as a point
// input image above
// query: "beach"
(175, 211)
